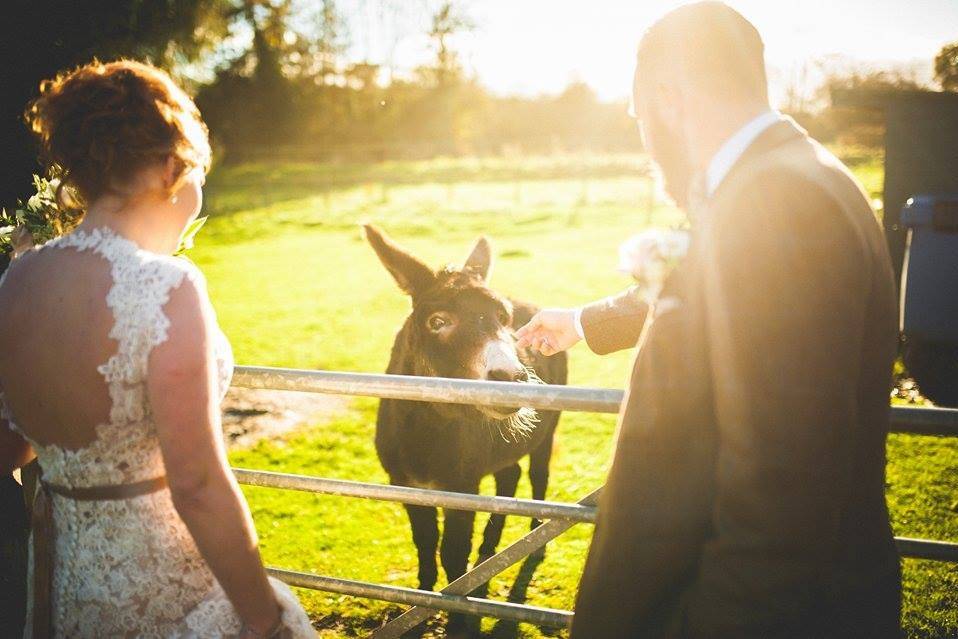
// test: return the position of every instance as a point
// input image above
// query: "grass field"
(295, 285)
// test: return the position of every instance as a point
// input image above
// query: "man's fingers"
(526, 334)
(540, 342)
(532, 325)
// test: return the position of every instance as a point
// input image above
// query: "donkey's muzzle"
(496, 412)
(500, 375)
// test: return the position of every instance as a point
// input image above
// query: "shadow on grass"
(505, 629)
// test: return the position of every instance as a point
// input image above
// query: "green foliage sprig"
(187, 239)
(39, 215)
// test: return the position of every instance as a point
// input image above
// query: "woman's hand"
(550, 331)
(271, 629)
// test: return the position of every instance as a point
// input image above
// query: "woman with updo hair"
(112, 375)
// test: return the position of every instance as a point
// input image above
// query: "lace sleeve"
(138, 298)
(171, 276)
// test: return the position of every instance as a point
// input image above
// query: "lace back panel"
(125, 448)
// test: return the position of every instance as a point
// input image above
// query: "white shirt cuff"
(578, 323)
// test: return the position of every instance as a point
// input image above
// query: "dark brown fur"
(448, 446)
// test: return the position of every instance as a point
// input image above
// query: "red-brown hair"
(101, 124)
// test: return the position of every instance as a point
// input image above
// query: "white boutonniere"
(649, 257)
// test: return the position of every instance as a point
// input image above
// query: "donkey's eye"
(436, 322)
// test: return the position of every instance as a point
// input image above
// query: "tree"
(316, 51)
(43, 37)
(946, 67)
(253, 98)
(854, 92)
(447, 22)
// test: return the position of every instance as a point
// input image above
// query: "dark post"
(921, 158)
(921, 155)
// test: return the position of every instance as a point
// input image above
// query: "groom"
(746, 493)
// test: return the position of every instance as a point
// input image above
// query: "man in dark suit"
(746, 493)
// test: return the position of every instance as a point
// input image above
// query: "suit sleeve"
(614, 323)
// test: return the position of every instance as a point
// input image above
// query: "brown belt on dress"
(43, 533)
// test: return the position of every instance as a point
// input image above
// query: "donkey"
(460, 328)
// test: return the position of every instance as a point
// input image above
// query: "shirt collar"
(733, 149)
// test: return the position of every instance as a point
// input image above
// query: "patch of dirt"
(250, 415)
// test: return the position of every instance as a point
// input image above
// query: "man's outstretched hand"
(550, 331)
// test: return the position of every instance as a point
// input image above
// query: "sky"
(530, 47)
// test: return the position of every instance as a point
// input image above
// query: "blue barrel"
(929, 295)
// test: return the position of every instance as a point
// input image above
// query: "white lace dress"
(130, 568)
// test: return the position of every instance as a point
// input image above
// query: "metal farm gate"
(557, 517)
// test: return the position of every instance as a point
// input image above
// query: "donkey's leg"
(425, 534)
(456, 541)
(539, 460)
(455, 549)
(507, 480)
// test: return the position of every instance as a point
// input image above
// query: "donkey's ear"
(411, 274)
(480, 259)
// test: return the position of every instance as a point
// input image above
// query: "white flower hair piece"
(650, 257)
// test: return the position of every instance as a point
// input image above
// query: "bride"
(112, 372)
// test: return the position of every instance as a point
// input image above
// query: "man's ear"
(480, 259)
(410, 273)
(670, 105)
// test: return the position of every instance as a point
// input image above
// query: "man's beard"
(669, 150)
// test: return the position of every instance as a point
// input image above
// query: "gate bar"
(927, 549)
(924, 421)
(419, 496)
(904, 419)
(432, 389)
(575, 513)
(438, 601)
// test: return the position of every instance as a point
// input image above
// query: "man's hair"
(710, 45)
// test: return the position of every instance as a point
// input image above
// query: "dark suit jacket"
(746, 495)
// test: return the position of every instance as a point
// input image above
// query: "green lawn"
(295, 285)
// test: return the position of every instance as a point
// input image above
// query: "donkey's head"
(458, 326)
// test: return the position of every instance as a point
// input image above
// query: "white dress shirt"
(734, 148)
(719, 166)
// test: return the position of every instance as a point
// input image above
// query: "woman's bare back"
(54, 334)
